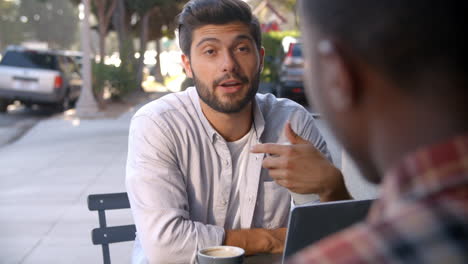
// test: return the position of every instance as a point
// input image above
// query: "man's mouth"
(230, 86)
(230, 83)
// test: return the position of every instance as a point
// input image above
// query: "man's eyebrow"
(238, 38)
(241, 37)
(207, 39)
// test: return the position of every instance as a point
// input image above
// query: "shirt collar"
(259, 120)
(428, 171)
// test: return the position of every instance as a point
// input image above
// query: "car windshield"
(297, 50)
(29, 59)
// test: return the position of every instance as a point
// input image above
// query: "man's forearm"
(257, 240)
(338, 190)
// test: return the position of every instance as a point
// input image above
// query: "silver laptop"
(309, 224)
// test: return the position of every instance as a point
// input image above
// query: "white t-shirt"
(240, 157)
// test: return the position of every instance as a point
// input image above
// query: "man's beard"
(234, 105)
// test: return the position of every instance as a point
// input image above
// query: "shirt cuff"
(303, 199)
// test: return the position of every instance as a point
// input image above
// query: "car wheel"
(65, 105)
(3, 105)
(274, 91)
(280, 91)
(73, 103)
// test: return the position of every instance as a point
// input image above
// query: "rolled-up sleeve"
(304, 124)
(158, 197)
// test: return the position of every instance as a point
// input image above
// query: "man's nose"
(229, 63)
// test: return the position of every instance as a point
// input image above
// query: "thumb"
(292, 136)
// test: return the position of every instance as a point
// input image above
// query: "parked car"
(291, 72)
(41, 77)
(77, 57)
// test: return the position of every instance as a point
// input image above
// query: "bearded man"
(191, 177)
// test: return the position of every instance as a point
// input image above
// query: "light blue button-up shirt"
(179, 175)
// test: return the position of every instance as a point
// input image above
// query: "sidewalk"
(45, 179)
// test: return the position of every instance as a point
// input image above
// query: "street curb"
(11, 134)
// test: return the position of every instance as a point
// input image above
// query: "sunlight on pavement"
(172, 84)
(69, 113)
(150, 85)
(15, 106)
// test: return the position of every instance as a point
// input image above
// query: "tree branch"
(109, 12)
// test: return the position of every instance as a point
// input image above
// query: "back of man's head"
(198, 13)
(408, 41)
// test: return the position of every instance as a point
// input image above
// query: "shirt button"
(223, 202)
(226, 162)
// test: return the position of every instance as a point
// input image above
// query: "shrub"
(118, 81)
(274, 53)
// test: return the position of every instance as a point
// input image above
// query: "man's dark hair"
(198, 13)
(406, 40)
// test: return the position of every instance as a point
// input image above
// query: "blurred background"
(53, 153)
(133, 45)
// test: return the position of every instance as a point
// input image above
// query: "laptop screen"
(309, 224)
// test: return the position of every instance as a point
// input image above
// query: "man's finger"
(285, 183)
(292, 136)
(269, 148)
(273, 162)
(278, 174)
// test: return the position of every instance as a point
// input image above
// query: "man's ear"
(337, 77)
(187, 66)
(262, 58)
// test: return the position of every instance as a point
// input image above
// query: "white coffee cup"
(221, 255)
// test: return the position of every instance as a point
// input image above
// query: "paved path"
(18, 120)
(45, 179)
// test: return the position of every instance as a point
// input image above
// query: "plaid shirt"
(421, 217)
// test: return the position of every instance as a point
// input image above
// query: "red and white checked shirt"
(421, 217)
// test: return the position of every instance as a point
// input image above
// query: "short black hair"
(404, 39)
(198, 13)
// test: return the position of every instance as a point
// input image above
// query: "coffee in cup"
(221, 255)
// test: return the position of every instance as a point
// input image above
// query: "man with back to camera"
(390, 76)
(191, 179)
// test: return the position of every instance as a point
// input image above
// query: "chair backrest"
(105, 235)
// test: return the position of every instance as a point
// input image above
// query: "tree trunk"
(104, 17)
(126, 50)
(122, 25)
(144, 23)
(102, 35)
(117, 22)
(157, 68)
(143, 42)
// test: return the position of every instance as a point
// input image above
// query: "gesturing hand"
(301, 168)
(257, 240)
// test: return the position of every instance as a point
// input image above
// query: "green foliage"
(162, 22)
(143, 6)
(118, 80)
(274, 53)
(102, 74)
(52, 21)
(11, 30)
(291, 4)
(125, 81)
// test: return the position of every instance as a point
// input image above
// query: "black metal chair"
(105, 235)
